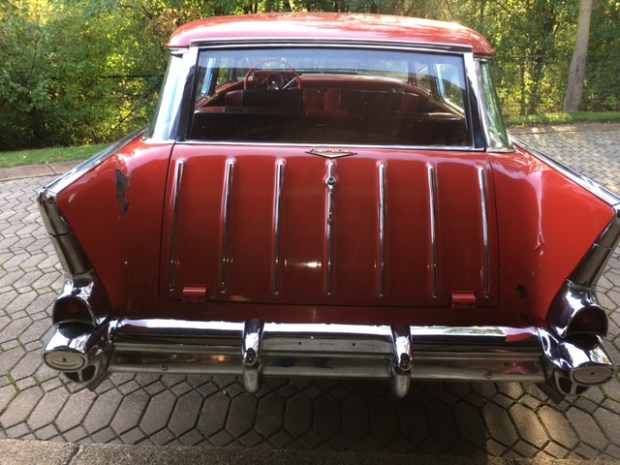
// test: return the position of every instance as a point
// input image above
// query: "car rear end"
(334, 207)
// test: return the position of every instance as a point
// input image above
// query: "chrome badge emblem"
(331, 153)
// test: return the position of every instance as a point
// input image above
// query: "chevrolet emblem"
(331, 153)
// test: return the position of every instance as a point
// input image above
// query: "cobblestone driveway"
(437, 418)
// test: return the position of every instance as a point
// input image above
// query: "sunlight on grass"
(60, 154)
(49, 155)
(564, 118)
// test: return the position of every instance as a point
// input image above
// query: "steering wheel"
(279, 77)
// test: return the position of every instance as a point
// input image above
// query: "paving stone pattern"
(509, 420)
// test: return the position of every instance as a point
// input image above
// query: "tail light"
(72, 309)
(588, 320)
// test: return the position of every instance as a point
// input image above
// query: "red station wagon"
(326, 195)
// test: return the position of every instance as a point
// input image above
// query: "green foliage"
(564, 118)
(88, 71)
(602, 85)
(48, 155)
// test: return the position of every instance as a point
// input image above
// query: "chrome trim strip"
(254, 348)
(72, 258)
(176, 192)
(474, 78)
(366, 351)
(439, 148)
(589, 270)
(591, 267)
(59, 184)
(170, 119)
(382, 224)
(216, 43)
(432, 204)
(591, 186)
(251, 354)
(402, 360)
(280, 165)
(228, 181)
(54, 221)
(474, 74)
(484, 214)
(330, 182)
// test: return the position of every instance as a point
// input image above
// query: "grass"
(564, 118)
(49, 155)
(12, 382)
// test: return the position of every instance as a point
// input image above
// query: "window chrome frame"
(183, 107)
(484, 115)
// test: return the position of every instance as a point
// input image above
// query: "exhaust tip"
(64, 360)
(593, 375)
(79, 351)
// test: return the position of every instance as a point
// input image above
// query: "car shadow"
(436, 418)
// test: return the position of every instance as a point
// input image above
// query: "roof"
(330, 26)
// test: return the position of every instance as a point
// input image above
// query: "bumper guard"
(399, 353)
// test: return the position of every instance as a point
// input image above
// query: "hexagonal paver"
(508, 420)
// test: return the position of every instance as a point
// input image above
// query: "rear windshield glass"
(331, 96)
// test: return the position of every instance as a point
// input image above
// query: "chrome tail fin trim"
(382, 214)
(277, 220)
(432, 206)
(176, 193)
(225, 216)
(484, 214)
(330, 183)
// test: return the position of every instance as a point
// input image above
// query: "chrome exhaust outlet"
(250, 355)
(79, 351)
(400, 376)
(575, 365)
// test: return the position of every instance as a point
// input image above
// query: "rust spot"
(122, 183)
(522, 291)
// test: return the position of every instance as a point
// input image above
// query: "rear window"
(330, 96)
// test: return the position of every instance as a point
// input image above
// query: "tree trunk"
(577, 70)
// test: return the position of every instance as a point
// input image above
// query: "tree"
(82, 71)
(577, 70)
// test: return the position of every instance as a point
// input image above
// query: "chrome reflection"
(228, 182)
(576, 363)
(402, 359)
(176, 193)
(484, 215)
(79, 351)
(432, 205)
(570, 301)
(399, 353)
(277, 212)
(382, 223)
(330, 182)
(250, 354)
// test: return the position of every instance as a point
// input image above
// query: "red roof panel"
(330, 26)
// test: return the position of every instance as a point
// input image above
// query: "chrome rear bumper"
(399, 353)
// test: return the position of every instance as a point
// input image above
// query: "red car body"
(230, 237)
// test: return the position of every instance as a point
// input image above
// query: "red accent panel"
(194, 295)
(547, 224)
(463, 301)
(332, 27)
(122, 247)
(356, 260)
